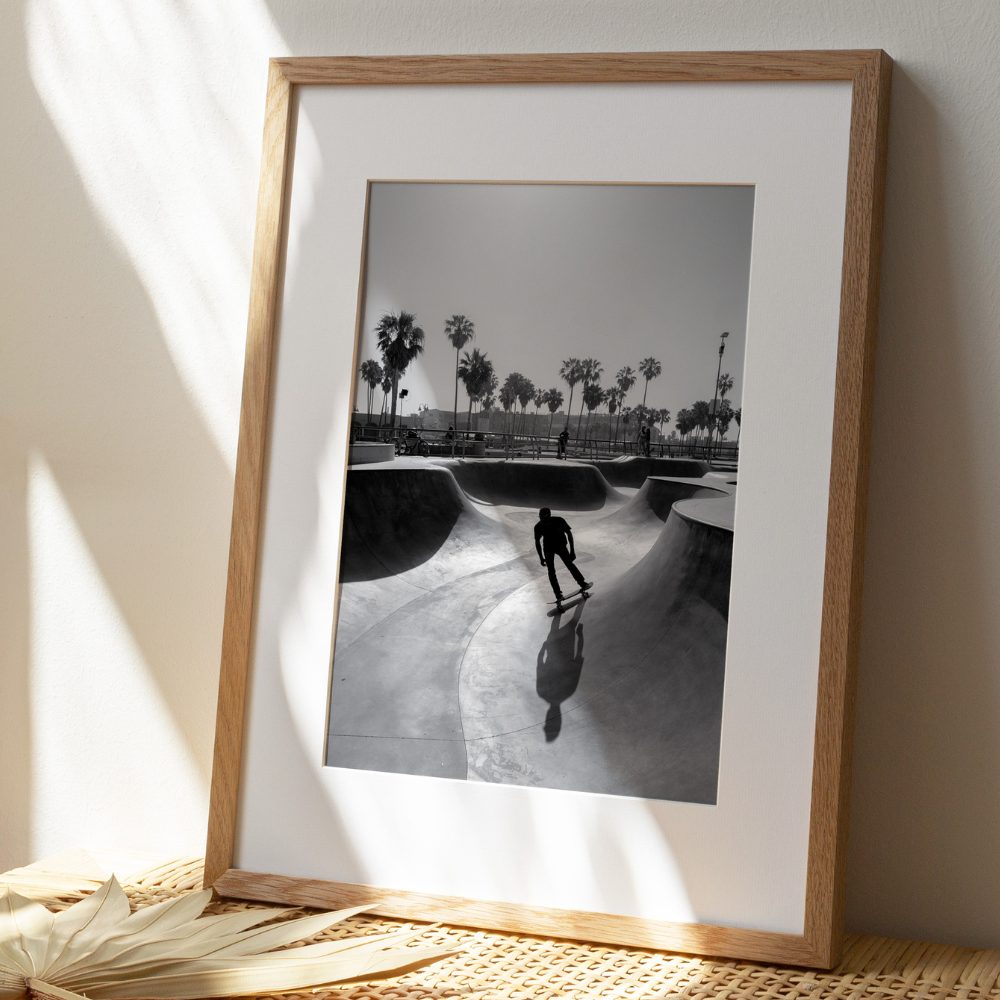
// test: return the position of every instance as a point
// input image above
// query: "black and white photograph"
(542, 478)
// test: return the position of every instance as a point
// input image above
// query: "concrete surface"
(562, 485)
(452, 662)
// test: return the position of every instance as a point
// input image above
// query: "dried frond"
(169, 951)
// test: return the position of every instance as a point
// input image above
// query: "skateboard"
(573, 593)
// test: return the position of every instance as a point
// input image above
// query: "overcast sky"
(549, 271)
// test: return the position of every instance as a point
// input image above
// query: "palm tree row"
(400, 341)
(588, 371)
(699, 416)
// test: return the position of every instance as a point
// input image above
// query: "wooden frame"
(870, 75)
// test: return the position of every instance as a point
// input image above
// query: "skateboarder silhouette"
(551, 534)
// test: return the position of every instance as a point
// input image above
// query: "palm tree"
(626, 415)
(539, 402)
(593, 397)
(371, 375)
(508, 395)
(641, 415)
(475, 371)
(723, 384)
(684, 422)
(525, 394)
(611, 402)
(459, 332)
(554, 399)
(488, 386)
(592, 370)
(611, 398)
(649, 368)
(663, 417)
(701, 413)
(625, 379)
(386, 388)
(738, 417)
(506, 398)
(724, 417)
(486, 405)
(400, 341)
(570, 372)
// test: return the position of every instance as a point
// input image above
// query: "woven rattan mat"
(500, 966)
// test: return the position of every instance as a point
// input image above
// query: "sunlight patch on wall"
(94, 707)
(161, 109)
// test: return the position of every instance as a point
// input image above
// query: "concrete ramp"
(657, 496)
(721, 513)
(559, 485)
(691, 561)
(396, 519)
(450, 662)
(421, 567)
(623, 694)
(634, 470)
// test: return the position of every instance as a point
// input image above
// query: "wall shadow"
(15, 652)
(924, 818)
(88, 382)
(95, 390)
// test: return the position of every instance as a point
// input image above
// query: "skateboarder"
(551, 534)
(561, 443)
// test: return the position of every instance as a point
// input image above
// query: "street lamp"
(715, 398)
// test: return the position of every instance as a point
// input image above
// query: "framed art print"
(548, 527)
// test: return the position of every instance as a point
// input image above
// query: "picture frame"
(868, 75)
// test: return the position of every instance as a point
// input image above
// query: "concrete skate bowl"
(633, 679)
(658, 494)
(396, 519)
(633, 471)
(559, 485)
(660, 722)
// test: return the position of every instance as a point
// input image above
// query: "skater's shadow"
(560, 661)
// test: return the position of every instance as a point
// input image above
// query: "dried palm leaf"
(98, 949)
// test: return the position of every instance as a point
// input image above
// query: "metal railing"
(492, 444)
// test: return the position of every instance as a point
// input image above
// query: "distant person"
(645, 440)
(551, 535)
(450, 436)
(561, 443)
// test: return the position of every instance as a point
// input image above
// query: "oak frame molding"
(870, 73)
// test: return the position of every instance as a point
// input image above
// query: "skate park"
(452, 659)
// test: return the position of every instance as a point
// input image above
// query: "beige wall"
(128, 177)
